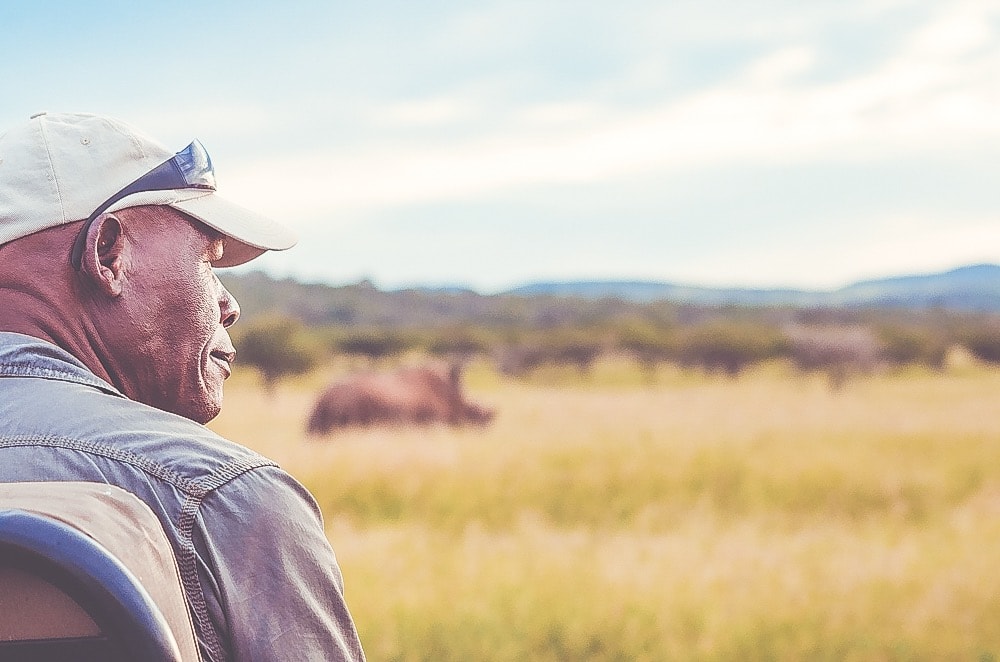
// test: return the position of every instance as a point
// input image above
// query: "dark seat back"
(87, 573)
(127, 625)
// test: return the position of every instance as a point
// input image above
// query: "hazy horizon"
(250, 268)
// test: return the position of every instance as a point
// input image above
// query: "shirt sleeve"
(269, 573)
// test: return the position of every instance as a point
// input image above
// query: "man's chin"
(206, 416)
(199, 412)
(209, 412)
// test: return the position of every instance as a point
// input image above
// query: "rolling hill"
(971, 288)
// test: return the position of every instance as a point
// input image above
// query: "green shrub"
(729, 347)
(375, 344)
(983, 343)
(278, 347)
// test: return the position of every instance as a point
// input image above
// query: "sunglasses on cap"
(189, 168)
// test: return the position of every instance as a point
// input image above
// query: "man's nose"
(229, 308)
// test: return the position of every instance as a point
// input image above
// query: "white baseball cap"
(60, 168)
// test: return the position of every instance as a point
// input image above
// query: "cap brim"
(250, 233)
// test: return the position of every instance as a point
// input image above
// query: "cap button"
(44, 112)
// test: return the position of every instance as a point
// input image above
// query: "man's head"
(107, 244)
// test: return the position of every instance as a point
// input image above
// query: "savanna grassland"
(687, 517)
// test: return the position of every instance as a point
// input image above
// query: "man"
(113, 352)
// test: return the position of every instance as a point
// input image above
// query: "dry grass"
(695, 519)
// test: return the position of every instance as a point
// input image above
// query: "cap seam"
(52, 170)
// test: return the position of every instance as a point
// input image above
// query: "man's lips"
(224, 359)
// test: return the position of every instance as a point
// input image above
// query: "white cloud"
(556, 116)
(217, 120)
(780, 66)
(955, 33)
(851, 249)
(423, 112)
(938, 93)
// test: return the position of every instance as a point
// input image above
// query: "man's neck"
(42, 296)
(34, 313)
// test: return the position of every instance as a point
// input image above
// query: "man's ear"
(102, 262)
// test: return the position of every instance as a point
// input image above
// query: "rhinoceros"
(414, 394)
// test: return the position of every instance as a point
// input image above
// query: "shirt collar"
(27, 356)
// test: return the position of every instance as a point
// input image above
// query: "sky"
(484, 144)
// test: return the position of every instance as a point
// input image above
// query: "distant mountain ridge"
(969, 288)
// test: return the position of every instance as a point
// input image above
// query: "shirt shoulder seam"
(198, 487)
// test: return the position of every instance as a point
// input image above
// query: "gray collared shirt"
(259, 575)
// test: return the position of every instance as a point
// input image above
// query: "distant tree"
(903, 345)
(374, 344)
(278, 347)
(459, 342)
(728, 346)
(558, 347)
(983, 342)
(649, 346)
(578, 348)
(838, 351)
(520, 358)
